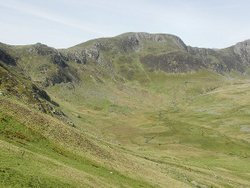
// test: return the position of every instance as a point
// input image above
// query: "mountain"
(124, 57)
(135, 110)
(163, 52)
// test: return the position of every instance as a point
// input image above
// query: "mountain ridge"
(123, 57)
(124, 34)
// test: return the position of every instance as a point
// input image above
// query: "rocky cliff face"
(6, 58)
(48, 65)
(242, 49)
(173, 62)
(136, 41)
(13, 84)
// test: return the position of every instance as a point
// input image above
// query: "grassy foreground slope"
(40, 151)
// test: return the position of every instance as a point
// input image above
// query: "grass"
(185, 117)
(174, 131)
(134, 127)
(28, 159)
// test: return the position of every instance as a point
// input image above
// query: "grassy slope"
(194, 126)
(39, 151)
(175, 131)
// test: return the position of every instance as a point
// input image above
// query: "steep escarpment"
(14, 85)
(6, 58)
(242, 49)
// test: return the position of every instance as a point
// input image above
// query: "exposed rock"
(242, 49)
(42, 49)
(6, 58)
(43, 94)
(78, 57)
(135, 38)
(130, 44)
(59, 59)
(85, 55)
(70, 123)
(173, 62)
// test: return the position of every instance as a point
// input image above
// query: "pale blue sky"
(64, 23)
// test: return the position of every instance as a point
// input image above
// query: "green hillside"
(136, 110)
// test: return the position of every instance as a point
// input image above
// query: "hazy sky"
(64, 23)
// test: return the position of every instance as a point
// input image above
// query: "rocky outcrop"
(242, 49)
(62, 72)
(13, 84)
(82, 56)
(173, 62)
(132, 41)
(78, 57)
(6, 58)
(59, 59)
(42, 49)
